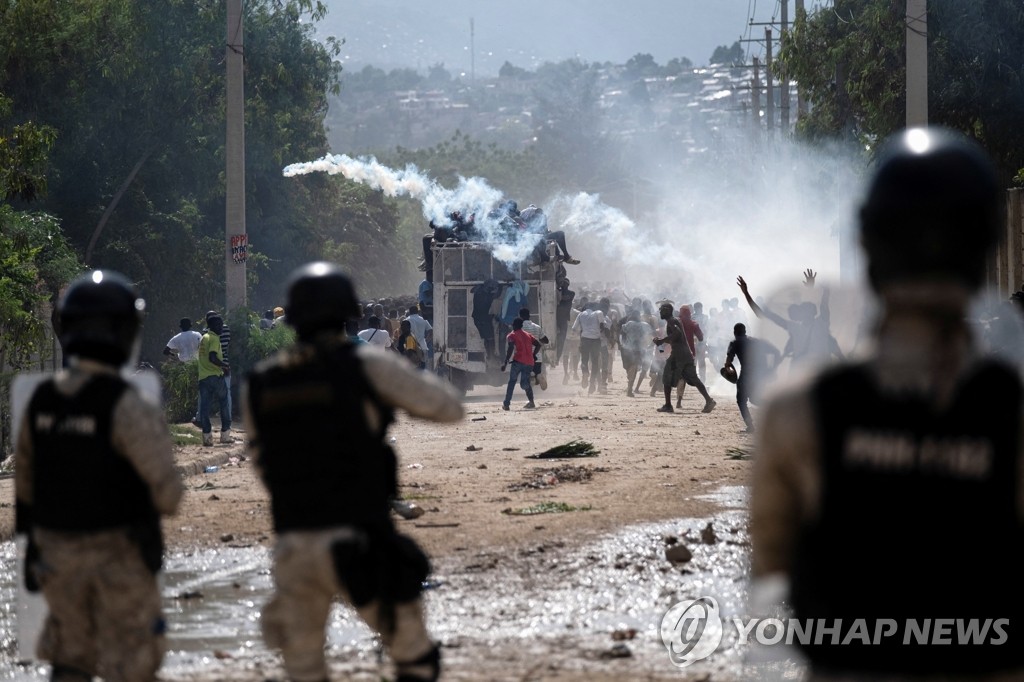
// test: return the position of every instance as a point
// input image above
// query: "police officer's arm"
(140, 435)
(786, 484)
(400, 384)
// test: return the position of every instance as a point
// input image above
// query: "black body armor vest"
(322, 464)
(918, 522)
(80, 482)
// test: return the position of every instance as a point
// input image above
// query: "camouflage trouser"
(104, 607)
(305, 585)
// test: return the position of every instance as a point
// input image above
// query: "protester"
(911, 453)
(184, 346)
(374, 334)
(267, 321)
(423, 331)
(316, 417)
(591, 324)
(521, 348)
(634, 337)
(758, 361)
(679, 366)
(408, 346)
(213, 386)
(694, 335)
(94, 473)
(534, 329)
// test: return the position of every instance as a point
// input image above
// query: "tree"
(850, 63)
(135, 93)
(641, 66)
(731, 56)
(677, 65)
(507, 70)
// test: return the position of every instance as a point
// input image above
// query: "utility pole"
(755, 96)
(770, 109)
(235, 238)
(801, 104)
(784, 79)
(917, 63)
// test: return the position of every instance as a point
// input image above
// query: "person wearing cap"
(213, 387)
(94, 473)
(758, 360)
(873, 476)
(317, 415)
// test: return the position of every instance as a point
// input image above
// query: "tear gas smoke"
(766, 216)
(472, 196)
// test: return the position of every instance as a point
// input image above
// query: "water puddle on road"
(596, 607)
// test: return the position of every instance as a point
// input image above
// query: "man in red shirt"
(519, 348)
(693, 334)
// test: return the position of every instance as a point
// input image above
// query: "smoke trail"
(472, 197)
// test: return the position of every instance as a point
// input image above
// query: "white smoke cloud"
(767, 216)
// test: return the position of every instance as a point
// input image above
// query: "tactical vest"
(322, 464)
(919, 506)
(80, 482)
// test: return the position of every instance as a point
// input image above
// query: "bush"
(181, 390)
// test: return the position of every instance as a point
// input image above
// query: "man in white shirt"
(423, 332)
(374, 335)
(184, 345)
(590, 323)
(533, 329)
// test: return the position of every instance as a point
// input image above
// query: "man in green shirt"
(213, 387)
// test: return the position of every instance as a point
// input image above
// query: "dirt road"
(574, 590)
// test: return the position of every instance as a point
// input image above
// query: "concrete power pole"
(801, 103)
(784, 79)
(755, 97)
(769, 81)
(917, 63)
(235, 238)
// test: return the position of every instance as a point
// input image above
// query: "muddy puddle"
(535, 612)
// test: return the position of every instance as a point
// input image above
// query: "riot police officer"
(885, 489)
(94, 473)
(316, 415)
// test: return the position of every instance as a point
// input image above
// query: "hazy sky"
(420, 33)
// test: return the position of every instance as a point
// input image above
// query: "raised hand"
(809, 276)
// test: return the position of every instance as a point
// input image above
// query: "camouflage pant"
(104, 607)
(305, 585)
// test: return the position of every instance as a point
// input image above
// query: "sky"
(421, 33)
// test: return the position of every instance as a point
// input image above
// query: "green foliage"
(250, 344)
(732, 55)
(181, 390)
(24, 151)
(850, 61)
(135, 94)
(35, 263)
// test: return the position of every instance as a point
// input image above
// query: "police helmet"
(320, 298)
(933, 210)
(99, 316)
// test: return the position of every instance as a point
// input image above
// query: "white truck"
(459, 268)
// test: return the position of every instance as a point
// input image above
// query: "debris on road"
(575, 448)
